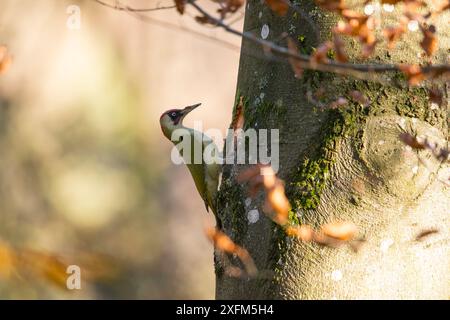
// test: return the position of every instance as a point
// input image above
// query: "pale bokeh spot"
(265, 31)
(337, 275)
(253, 216)
(386, 244)
(388, 7)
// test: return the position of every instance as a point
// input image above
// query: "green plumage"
(206, 176)
(205, 173)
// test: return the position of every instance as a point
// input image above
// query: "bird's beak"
(188, 109)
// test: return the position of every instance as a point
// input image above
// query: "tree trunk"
(345, 164)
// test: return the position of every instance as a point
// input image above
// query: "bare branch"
(360, 71)
(137, 14)
(121, 7)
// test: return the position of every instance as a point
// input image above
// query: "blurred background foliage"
(85, 173)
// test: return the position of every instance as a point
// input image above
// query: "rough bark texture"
(340, 165)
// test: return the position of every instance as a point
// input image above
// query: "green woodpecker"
(205, 175)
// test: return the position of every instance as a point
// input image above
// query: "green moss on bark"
(259, 116)
(307, 183)
(230, 198)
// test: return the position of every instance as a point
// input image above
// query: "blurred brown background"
(84, 168)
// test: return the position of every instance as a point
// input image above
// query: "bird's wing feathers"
(212, 172)
(205, 176)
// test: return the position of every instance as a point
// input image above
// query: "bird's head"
(173, 119)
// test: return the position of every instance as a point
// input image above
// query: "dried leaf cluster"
(225, 245)
(419, 143)
(24, 263)
(277, 207)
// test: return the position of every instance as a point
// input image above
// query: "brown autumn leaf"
(339, 49)
(204, 20)
(220, 240)
(224, 244)
(326, 241)
(331, 5)
(276, 198)
(280, 7)
(269, 177)
(369, 47)
(391, 1)
(255, 185)
(180, 5)
(393, 34)
(277, 202)
(303, 232)
(5, 59)
(441, 154)
(230, 6)
(442, 6)
(7, 261)
(412, 7)
(247, 261)
(97, 266)
(320, 55)
(429, 42)
(44, 265)
(277, 206)
(411, 141)
(238, 119)
(360, 26)
(257, 179)
(436, 96)
(344, 231)
(249, 173)
(24, 262)
(295, 63)
(350, 15)
(346, 28)
(413, 73)
(342, 236)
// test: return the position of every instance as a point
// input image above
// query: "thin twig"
(121, 7)
(136, 13)
(361, 71)
(240, 17)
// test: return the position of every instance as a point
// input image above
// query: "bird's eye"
(173, 114)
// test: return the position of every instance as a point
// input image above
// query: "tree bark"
(345, 164)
